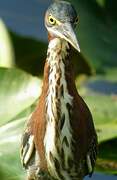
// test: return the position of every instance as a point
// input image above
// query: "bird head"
(60, 20)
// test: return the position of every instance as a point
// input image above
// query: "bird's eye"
(52, 21)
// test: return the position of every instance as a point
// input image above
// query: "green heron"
(59, 141)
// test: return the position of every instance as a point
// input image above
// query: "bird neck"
(58, 74)
(58, 99)
(58, 50)
(58, 71)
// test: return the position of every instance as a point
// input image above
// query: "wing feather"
(27, 148)
(92, 155)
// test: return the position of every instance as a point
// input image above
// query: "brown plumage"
(59, 142)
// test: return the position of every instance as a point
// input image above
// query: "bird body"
(59, 142)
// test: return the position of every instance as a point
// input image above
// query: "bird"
(59, 141)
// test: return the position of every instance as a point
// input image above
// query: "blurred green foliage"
(97, 32)
(20, 89)
(6, 49)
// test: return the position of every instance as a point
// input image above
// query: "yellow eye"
(52, 20)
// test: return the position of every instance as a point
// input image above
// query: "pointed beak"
(65, 31)
(69, 35)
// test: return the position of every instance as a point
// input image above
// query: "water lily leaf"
(103, 108)
(10, 137)
(18, 91)
(100, 94)
(104, 111)
(6, 48)
(10, 134)
(18, 94)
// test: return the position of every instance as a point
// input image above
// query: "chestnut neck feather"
(69, 73)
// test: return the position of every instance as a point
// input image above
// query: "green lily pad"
(6, 48)
(10, 137)
(18, 91)
(103, 105)
(18, 94)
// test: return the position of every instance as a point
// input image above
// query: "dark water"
(103, 86)
(26, 17)
(98, 176)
